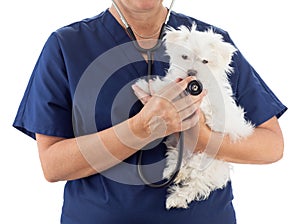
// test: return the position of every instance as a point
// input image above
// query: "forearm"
(62, 160)
(68, 159)
(264, 146)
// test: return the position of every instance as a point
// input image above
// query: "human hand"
(165, 113)
(144, 96)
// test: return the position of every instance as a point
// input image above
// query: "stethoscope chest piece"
(194, 87)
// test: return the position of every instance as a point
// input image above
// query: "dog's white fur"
(207, 55)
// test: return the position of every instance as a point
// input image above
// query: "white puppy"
(207, 57)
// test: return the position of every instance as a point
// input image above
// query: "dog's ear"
(225, 49)
(173, 36)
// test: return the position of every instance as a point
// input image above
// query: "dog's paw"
(168, 171)
(171, 161)
(176, 200)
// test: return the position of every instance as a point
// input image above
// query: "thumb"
(141, 94)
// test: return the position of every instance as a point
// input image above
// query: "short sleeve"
(252, 93)
(46, 107)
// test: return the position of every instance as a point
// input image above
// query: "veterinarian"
(89, 125)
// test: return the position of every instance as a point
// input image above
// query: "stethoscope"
(148, 51)
(194, 88)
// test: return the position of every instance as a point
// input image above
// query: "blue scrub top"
(81, 84)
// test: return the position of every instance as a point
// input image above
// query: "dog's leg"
(192, 187)
(198, 182)
(171, 156)
(236, 125)
(176, 199)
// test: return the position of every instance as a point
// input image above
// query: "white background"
(265, 31)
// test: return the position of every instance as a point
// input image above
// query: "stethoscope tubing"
(175, 171)
(149, 52)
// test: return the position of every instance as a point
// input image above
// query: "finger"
(178, 79)
(140, 93)
(189, 100)
(192, 121)
(172, 90)
(145, 99)
(189, 111)
(143, 96)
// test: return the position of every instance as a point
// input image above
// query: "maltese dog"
(207, 57)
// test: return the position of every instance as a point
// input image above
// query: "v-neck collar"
(120, 37)
(112, 26)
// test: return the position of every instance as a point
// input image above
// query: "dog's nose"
(192, 72)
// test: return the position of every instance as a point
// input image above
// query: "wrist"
(135, 132)
(212, 142)
(132, 133)
(139, 127)
(204, 137)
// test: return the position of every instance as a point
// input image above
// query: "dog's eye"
(184, 57)
(204, 61)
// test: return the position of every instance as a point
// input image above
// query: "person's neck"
(145, 24)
